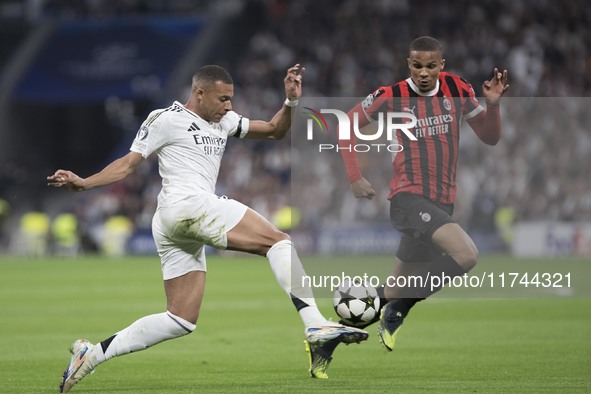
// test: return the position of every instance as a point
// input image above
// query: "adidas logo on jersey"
(193, 127)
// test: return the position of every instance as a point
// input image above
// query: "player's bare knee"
(467, 258)
(274, 238)
(281, 236)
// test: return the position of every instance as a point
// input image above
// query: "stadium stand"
(349, 48)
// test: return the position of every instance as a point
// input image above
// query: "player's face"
(215, 101)
(425, 67)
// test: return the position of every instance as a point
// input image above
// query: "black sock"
(330, 346)
(383, 300)
(403, 305)
(444, 267)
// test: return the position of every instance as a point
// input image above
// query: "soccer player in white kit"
(189, 141)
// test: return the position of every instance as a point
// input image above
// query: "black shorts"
(417, 218)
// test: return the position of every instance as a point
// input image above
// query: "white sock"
(288, 270)
(143, 333)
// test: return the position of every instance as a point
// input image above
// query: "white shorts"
(182, 231)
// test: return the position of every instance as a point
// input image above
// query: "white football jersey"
(189, 149)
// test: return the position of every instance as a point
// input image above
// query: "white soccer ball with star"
(356, 303)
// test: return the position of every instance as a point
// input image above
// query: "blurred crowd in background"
(539, 170)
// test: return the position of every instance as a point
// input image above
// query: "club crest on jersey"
(425, 217)
(446, 104)
(142, 134)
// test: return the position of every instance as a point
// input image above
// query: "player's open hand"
(496, 87)
(363, 189)
(293, 82)
(67, 180)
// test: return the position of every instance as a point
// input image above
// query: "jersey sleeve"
(152, 134)
(374, 103)
(236, 125)
(485, 123)
(471, 106)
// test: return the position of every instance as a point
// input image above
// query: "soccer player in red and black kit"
(423, 187)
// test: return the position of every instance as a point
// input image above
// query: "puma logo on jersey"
(410, 109)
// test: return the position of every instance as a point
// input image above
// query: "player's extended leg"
(255, 234)
(184, 295)
(401, 299)
(460, 255)
(452, 240)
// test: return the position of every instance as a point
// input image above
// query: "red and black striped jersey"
(427, 166)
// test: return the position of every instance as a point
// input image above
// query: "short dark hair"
(211, 74)
(425, 43)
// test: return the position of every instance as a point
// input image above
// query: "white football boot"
(82, 363)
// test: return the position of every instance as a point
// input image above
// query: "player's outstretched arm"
(277, 128)
(487, 124)
(117, 170)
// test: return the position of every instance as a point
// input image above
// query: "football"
(356, 303)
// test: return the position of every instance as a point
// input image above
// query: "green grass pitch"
(249, 339)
